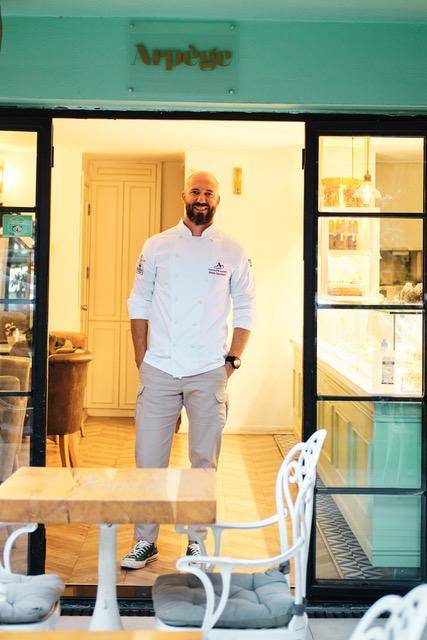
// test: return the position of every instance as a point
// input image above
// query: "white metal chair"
(407, 619)
(45, 583)
(179, 600)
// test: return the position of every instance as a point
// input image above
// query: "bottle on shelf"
(384, 368)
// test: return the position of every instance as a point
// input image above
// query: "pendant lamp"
(367, 191)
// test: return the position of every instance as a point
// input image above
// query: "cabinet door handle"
(84, 307)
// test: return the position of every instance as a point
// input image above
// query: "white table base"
(106, 615)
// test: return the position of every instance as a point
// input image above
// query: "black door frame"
(40, 123)
(40, 120)
(352, 591)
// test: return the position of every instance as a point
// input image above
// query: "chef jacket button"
(176, 298)
(200, 301)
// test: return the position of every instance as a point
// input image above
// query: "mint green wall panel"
(306, 66)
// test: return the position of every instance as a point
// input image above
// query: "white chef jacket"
(184, 286)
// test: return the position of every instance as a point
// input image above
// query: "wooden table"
(108, 497)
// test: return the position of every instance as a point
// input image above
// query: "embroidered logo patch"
(218, 270)
(140, 266)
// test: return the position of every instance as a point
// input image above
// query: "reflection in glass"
(391, 166)
(369, 352)
(18, 156)
(368, 537)
(16, 421)
(16, 426)
(370, 261)
(370, 444)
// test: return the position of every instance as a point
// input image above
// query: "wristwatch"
(234, 361)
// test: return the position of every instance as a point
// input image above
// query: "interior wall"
(65, 241)
(267, 219)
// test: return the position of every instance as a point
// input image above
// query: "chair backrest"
(66, 389)
(294, 497)
(407, 619)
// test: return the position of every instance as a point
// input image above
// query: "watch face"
(236, 363)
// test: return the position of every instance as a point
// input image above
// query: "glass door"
(364, 356)
(25, 162)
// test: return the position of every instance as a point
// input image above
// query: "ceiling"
(173, 136)
(410, 11)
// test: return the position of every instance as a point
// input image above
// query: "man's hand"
(139, 329)
(139, 360)
(229, 368)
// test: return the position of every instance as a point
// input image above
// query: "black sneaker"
(142, 553)
(193, 549)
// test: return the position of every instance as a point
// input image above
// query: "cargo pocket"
(222, 398)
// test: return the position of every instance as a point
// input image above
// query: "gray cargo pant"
(159, 402)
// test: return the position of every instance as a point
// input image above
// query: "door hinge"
(303, 159)
(87, 272)
(88, 209)
(52, 157)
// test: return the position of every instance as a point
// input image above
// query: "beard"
(200, 217)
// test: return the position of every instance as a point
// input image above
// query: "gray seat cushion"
(27, 598)
(258, 600)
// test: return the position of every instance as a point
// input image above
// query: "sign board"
(189, 61)
(17, 226)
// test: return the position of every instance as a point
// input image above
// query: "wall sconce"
(237, 181)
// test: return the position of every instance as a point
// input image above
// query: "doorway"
(110, 154)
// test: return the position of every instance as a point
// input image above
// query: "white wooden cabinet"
(124, 210)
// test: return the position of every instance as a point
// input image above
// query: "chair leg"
(63, 450)
(72, 451)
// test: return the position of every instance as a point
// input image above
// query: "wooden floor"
(246, 479)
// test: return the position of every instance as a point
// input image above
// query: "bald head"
(201, 197)
(202, 176)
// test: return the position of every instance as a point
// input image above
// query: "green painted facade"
(290, 66)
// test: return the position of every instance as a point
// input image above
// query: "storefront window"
(18, 157)
(370, 326)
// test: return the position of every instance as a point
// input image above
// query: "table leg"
(106, 616)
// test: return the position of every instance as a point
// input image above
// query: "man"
(186, 279)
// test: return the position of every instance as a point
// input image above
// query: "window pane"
(370, 174)
(18, 157)
(370, 261)
(17, 258)
(369, 352)
(16, 422)
(16, 323)
(368, 537)
(370, 444)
